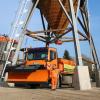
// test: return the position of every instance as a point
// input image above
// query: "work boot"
(53, 89)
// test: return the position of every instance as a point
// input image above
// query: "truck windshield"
(37, 55)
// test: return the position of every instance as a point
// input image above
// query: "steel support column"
(75, 34)
(86, 27)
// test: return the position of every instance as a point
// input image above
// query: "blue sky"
(8, 10)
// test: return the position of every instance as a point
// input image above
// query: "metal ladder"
(18, 29)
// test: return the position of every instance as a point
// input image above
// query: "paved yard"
(47, 94)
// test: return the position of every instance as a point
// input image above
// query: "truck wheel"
(67, 79)
(34, 86)
(5, 80)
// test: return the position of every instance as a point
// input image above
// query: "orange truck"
(33, 70)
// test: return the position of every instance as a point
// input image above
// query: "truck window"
(52, 55)
(30, 56)
(37, 55)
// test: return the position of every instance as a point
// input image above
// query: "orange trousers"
(54, 78)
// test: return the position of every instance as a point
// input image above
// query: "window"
(30, 56)
(52, 55)
(37, 55)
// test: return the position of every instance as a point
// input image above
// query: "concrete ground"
(46, 94)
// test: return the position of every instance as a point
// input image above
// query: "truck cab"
(41, 56)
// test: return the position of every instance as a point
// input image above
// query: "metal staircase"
(18, 28)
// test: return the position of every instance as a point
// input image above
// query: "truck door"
(53, 58)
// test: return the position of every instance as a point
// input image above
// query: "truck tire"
(67, 79)
(34, 86)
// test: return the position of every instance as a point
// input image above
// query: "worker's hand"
(49, 67)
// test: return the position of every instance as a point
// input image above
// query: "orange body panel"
(61, 67)
(65, 61)
(40, 62)
(36, 76)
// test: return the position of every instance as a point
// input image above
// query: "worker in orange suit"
(54, 78)
(54, 75)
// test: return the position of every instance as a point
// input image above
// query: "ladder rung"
(25, 11)
(13, 48)
(5, 52)
(2, 77)
(8, 62)
(21, 22)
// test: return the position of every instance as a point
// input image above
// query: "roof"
(6, 39)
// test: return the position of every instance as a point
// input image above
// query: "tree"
(66, 55)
